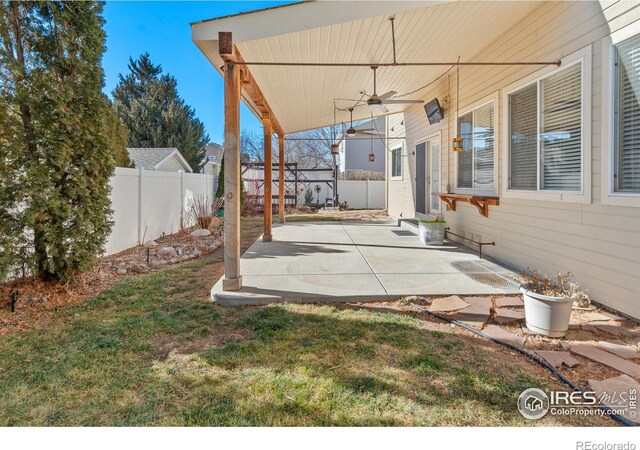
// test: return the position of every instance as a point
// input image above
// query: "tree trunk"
(40, 248)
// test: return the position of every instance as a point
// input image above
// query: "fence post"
(367, 194)
(140, 174)
(182, 224)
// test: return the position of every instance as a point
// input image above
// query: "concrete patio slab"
(350, 261)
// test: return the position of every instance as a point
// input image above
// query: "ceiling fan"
(351, 131)
(376, 102)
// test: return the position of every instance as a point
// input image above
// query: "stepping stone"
(594, 316)
(477, 313)
(556, 359)
(509, 302)
(452, 303)
(624, 351)
(611, 389)
(508, 316)
(607, 359)
(503, 335)
(608, 328)
(479, 301)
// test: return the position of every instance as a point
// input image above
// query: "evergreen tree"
(117, 136)
(53, 120)
(149, 105)
(220, 190)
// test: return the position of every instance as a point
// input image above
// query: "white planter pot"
(431, 233)
(546, 315)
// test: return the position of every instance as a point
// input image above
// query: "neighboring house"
(161, 159)
(212, 159)
(213, 162)
(556, 148)
(355, 149)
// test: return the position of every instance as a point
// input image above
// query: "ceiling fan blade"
(401, 102)
(387, 95)
(372, 132)
(348, 99)
(364, 129)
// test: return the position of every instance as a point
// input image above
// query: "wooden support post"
(268, 176)
(232, 191)
(281, 178)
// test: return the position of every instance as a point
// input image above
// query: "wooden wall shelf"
(481, 202)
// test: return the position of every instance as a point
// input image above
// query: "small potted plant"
(432, 231)
(548, 303)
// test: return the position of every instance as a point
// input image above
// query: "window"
(475, 161)
(627, 116)
(545, 133)
(396, 163)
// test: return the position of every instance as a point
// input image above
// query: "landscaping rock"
(154, 264)
(452, 303)
(151, 244)
(580, 335)
(607, 359)
(508, 316)
(121, 271)
(509, 302)
(201, 233)
(619, 348)
(503, 335)
(557, 359)
(611, 388)
(166, 252)
(173, 260)
(565, 345)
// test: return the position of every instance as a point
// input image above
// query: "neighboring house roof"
(153, 158)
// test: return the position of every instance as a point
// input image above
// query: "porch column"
(268, 176)
(232, 86)
(281, 178)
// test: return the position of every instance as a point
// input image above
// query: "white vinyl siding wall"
(599, 243)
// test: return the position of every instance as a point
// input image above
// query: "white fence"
(147, 203)
(358, 194)
(362, 194)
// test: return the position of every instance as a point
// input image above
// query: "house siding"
(599, 244)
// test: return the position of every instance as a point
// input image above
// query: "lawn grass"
(154, 350)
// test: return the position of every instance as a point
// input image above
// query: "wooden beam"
(281, 178)
(268, 176)
(232, 191)
(229, 53)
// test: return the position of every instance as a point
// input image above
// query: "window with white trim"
(475, 161)
(396, 163)
(545, 133)
(627, 116)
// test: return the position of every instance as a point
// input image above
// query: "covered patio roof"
(302, 98)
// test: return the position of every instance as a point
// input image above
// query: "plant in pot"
(432, 231)
(548, 302)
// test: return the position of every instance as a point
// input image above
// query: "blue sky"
(162, 29)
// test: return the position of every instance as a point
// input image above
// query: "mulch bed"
(38, 300)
